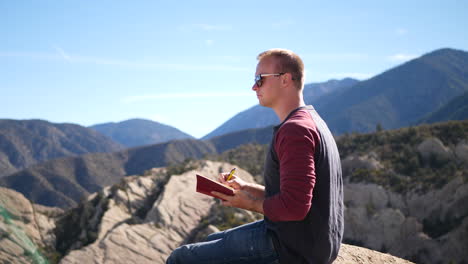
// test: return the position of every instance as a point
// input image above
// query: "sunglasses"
(259, 78)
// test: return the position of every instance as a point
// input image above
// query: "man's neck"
(283, 110)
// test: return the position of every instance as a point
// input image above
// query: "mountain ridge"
(24, 143)
(399, 96)
(138, 132)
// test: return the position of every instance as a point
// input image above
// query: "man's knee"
(176, 256)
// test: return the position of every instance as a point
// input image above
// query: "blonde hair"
(286, 62)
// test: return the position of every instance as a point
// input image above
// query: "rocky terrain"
(26, 229)
(140, 220)
(426, 227)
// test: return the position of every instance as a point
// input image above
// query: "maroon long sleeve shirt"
(303, 204)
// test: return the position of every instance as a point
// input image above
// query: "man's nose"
(254, 87)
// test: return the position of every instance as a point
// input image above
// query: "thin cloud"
(151, 97)
(62, 53)
(401, 31)
(209, 42)
(205, 27)
(283, 24)
(72, 58)
(401, 57)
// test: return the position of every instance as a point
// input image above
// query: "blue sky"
(191, 64)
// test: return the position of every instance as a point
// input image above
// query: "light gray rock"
(461, 152)
(24, 228)
(382, 220)
(176, 212)
(352, 162)
(351, 254)
(433, 146)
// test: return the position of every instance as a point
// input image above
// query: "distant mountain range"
(24, 143)
(399, 97)
(64, 182)
(259, 116)
(139, 132)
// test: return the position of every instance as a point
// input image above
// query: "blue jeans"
(249, 243)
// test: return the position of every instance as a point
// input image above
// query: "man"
(302, 200)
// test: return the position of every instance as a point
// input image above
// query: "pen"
(230, 174)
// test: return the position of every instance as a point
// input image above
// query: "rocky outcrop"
(26, 229)
(424, 228)
(352, 254)
(130, 231)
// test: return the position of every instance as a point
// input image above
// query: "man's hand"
(235, 182)
(246, 196)
(242, 199)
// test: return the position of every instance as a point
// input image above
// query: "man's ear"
(287, 79)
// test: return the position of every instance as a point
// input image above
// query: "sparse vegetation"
(404, 168)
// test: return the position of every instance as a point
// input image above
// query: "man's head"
(285, 61)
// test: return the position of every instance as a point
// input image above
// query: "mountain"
(24, 143)
(314, 91)
(400, 96)
(139, 132)
(64, 182)
(234, 139)
(455, 109)
(259, 116)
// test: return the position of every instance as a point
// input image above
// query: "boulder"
(461, 152)
(352, 162)
(434, 147)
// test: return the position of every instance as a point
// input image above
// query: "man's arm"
(295, 147)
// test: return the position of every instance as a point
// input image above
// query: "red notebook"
(206, 186)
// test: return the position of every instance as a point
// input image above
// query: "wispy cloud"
(209, 42)
(401, 31)
(151, 97)
(282, 24)
(401, 57)
(60, 54)
(205, 27)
